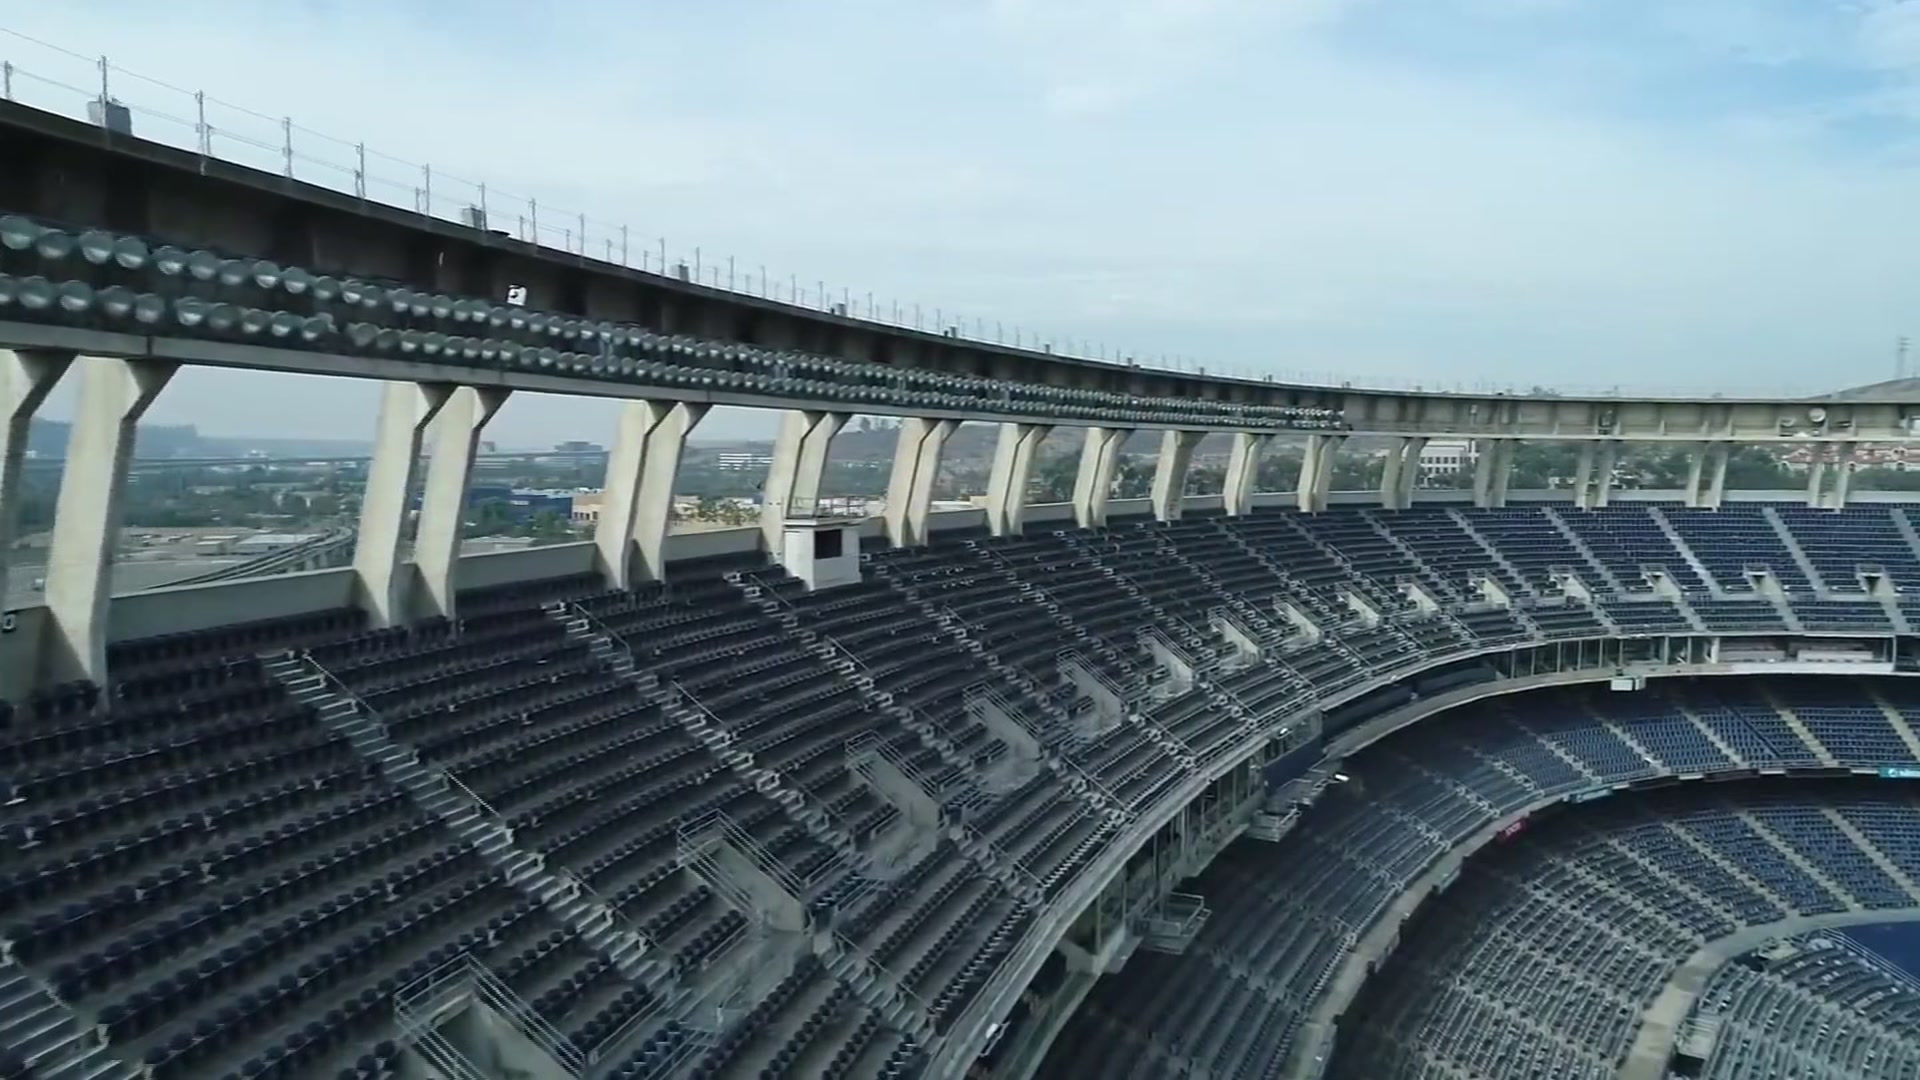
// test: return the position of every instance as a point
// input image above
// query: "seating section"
(1286, 915)
(1821, 1002)
(1541, 959)
(217, 873)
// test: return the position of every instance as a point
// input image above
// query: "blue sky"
(1689, 193)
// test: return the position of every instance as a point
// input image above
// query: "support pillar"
(114, 393)
(1007, 483)
(1401, 472)
(1816, 475)
(1696, 471)
(1098, 456)
(1170, 473)
(1503, 472)
(26, 377)
(1603, 479)
(1243, 472)
(1390, 468)
(1583, 477)
(1491, 468)
(1716, 469)
(916, 465)
(1316, 471)
(799, 461)
(443, 503)
(1843, 468)
(636, 506)
(406, 408)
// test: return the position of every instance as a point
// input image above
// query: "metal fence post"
(360, 170)
(286, 145)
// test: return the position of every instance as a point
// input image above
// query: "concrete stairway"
(1887, 866)
(1561, 752)
(1499, 557)
(1714, 588)
(1713, 737)
(1792, 544)
(469, 817)
(55, 1043)
(1801, 862)
(1820, 751)
(1620, 732)
(1594, 565)
(1712, 854)
(1900, 724)
(1677, 884)
(874, 985)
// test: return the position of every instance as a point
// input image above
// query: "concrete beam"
(114, 393)
(1170, 473)
(1243, 472)
(443, 505)
(1007, 481)
(799, 461)
(1696, 470)
(406, 408)
(916, 465)
(26, 377)
(1099, 453)
(1582, 477)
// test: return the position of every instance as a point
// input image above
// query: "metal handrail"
(1100, 678)
(486, 987)
(620, 922)
(374, 717)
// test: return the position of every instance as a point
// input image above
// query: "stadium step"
(1887, 866)
(1713, 854)
(1798, 860)
(1712, 736)
(1900, 724)
(1800, 729)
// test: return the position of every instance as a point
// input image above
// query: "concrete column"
(1696, 470)
(1583, 477)
(1410, 469)
(406, 408)
(1485, 464)
(1170, 473)
(659, 473)
(636, 506)
(26, 377)
(1603, 480)
(1716, 470)
(1091, 488)
(799, 461)
(443, 503)
(1843, 468)
(1390, 469)
(1243, 472)
(1306, 493)
(1316, 471)
(1503, 472)
(916, 465)
(1817, 475)
(114, 393)
(1007, 482)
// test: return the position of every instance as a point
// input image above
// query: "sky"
(1676, 194)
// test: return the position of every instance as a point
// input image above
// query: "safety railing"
(1152, 637)
(696, 840)
(417, 1004)
(446, 779)
(48, 76)
(1011, 869)
(617, 921)
(825, 508)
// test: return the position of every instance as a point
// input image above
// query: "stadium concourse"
(1112, 788)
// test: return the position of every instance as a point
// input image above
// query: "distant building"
(579, 446)
(736, 461)
(1446, 457)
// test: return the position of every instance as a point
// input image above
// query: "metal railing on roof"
(46, 76)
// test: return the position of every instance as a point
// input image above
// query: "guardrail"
(373, 716)
(416, 1004)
